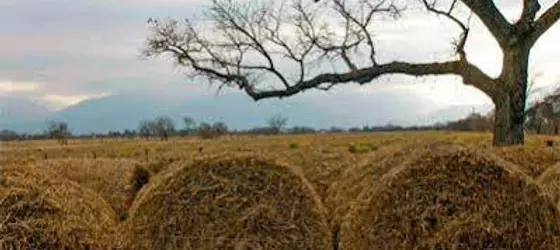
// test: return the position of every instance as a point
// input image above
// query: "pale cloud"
(544, 80)
(37, 93)
(158, 2)
(442, 91)
(9, 87)
(57, 102)
(78, 50)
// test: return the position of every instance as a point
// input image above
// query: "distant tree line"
(55, 130)
(543, 117)
(162, 128)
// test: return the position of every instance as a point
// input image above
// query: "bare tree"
(163, 126)
(246, 44)
(153, 127)
(207, 131)
(144, 129)
(9, 135)
(190, 124)
(59, 131)
(277, 123)
(220, 128)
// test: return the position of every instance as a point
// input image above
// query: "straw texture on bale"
(39, 210)
(451, 197)
(342, 193)
(110, 178)
(534, 159)
(465, 233)
(550, 182)
(228, 202)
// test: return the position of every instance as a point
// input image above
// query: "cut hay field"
(412, 190)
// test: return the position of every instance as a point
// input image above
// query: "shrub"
(294, 145)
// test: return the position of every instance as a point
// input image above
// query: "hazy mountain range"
(119, 112)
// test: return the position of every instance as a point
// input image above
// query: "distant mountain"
(236, 110)
(21, 115)
(16, 109)
(319, 110)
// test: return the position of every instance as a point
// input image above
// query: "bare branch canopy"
(249, 42)
(280, 48)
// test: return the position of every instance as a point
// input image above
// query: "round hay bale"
(228, 202)
(422, 199)
(39, 210)
(110, 178)
(158, 165)
(344, 191)
(550, 182)
(533, 159)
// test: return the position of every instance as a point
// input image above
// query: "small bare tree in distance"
(144, 129)
(247, 44)
(205, 131)
(277, 123)
(220, 128)
(59, 131)
(190, 125)
(163, 127)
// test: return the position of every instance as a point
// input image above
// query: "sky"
(57, 53)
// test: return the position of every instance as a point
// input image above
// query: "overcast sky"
(59, 52)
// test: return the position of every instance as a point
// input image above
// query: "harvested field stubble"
(228, 202)
(451, 197)
(39, 210)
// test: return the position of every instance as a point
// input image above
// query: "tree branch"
(460, 45)
(363, 23)
(492, 18)
(223, 54)
(228, 17)
(546, 21)
(530, 10)
(470, 73)
(361, 76)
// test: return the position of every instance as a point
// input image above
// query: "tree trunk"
(510, 102)
(509, 122)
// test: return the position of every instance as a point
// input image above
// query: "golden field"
(346, 191)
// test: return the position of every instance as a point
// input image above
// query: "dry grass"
(40, 210)
(228, 202)
(342, 180)
(451, 197)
